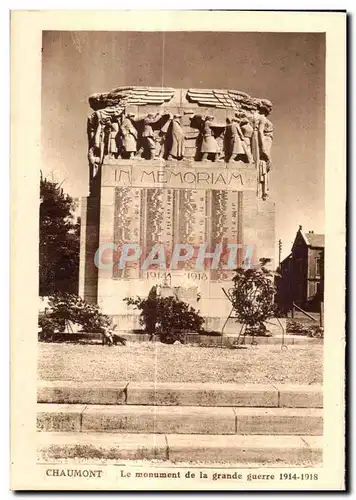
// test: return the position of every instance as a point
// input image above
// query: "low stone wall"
(201, 340)
(130, 322)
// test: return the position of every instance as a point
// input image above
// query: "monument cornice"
(158, 96)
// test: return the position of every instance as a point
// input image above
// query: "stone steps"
(180, 394)
(179, 419)
(281, 450)
(180, 422)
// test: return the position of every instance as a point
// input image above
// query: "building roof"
(310, 239)
(314, 240)
(283, 261)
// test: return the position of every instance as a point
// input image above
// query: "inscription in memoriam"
(180, 178)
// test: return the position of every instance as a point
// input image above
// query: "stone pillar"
(89, 242)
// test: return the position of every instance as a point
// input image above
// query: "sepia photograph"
(180, 198)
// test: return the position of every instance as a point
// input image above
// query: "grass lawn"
(138, 362)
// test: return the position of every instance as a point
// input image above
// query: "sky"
(285, 68)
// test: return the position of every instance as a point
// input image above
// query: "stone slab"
(180, 419)
(315, 444)
(300, 396)
(59, 445)
(284, 421)
(180, 394)
(201, 394)
(65, 418)
(159, 419)
(75, 392)
(284, 450)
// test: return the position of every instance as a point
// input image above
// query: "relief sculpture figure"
(262, 143)
(161, 142)
(129, 135)
(94, 162)
(113, 147)
(96, 131)
(148, 135)
(247, 132)
(209, 144)
(266, 134)
(235, 148)
(177, 138)
(93, 154)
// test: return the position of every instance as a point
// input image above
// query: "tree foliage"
(253, 297)
(69, 307)
(167, 317)
(59, 241)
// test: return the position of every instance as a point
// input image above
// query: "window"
(318, 266)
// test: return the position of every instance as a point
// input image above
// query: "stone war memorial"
(178, 197)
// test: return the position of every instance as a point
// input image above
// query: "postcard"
(178, 250)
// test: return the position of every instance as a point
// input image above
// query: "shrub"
(148, 307)
(168, 317)
(253, 297)
(70, 307)
(316, 332)
(50, 325)
(297, 328)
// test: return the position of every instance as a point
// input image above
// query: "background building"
(302, 273)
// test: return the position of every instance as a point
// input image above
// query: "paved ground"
(181, 363)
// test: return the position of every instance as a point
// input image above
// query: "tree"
(253, 297)
(59, 240)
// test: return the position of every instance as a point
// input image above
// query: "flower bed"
(297, 328)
